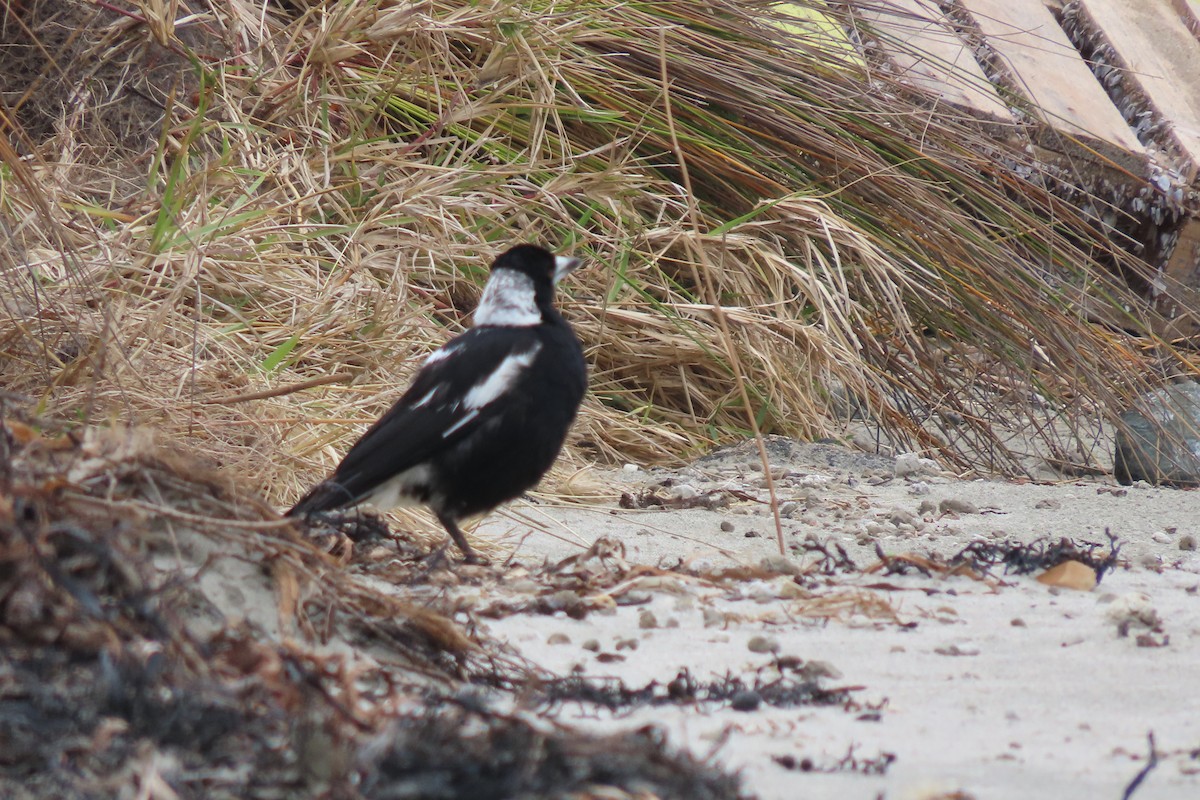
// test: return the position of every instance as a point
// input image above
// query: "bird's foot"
(440, 559)
(475, 559)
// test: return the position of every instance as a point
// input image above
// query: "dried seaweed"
(833, 557)
(458, 753)
(655, 498)
(777, 690)
(979, 558)
(122, 675)
(851, 763)
(1025, 558)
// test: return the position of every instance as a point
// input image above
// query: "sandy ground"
(962, 685)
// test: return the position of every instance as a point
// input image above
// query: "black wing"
(432, 415)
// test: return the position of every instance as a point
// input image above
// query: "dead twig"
(1151, 763)
(280, 391)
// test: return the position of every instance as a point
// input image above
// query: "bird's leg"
(469, 556)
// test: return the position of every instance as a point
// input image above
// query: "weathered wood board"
(1189, 13)
(1163, 59)
(926, 52)
(934, 48)
(1048, 70)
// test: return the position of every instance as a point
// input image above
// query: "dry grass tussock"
(208, 206)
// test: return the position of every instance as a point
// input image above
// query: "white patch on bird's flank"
(399, 490)
(501, 379)
(508, 301)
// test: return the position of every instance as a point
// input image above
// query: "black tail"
(326, 496)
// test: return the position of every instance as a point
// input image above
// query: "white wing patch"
(494, 386)
(501, 379)
(508, 301)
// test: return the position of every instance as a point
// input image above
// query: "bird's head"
(520, 289)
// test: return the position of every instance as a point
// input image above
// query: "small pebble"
(1017, 622)
(954, 505)
(713, 618)
(604, 605)
(957, 650)
(726, 526)
(1150, 640)
(558, 638)
(627, 644)
(630, 468)
(1162, 537)
(634, 598)
(591, 644)
(1187, 542)
(787, 509)
(763, 644)
(1048, 503)
(780, 565)
(816, 669)
(751, 535)
(746, 700)
(908, 464)
(646, 619)
(1133, 608)
(679, 688)
(562, 600)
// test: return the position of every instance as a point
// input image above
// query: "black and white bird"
(486, 415)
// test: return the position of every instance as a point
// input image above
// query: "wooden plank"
(1162, 57)
(926, 52)
(1189, 12)
(1184, 263)
(1048, 70)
